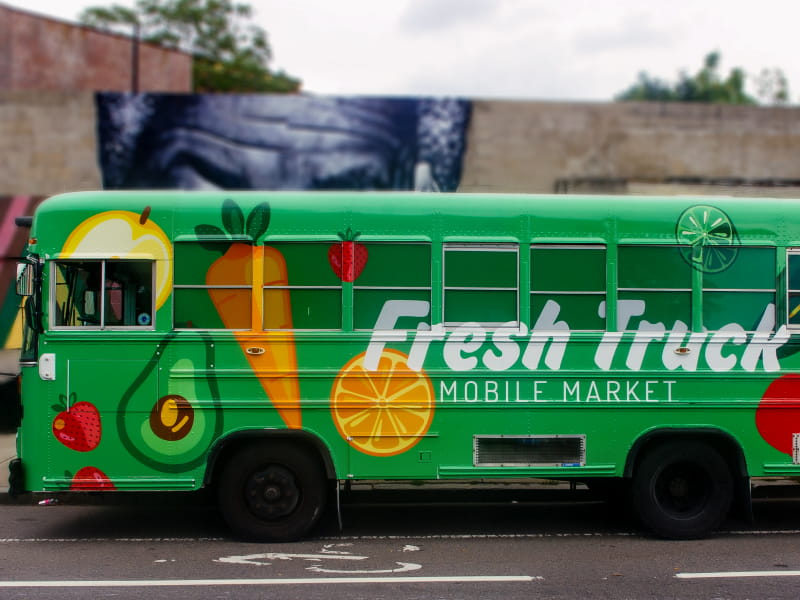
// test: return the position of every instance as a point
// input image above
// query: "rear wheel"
(272, 492)
(682, 490)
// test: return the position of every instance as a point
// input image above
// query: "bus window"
(393, 271)
(307, 286)
(661, 278)
(574, 276)
(481, 284)
(219, 302)
(103, 294)
(741, 292)
(793, 287)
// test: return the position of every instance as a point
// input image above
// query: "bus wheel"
(272, 492)
(682, 490)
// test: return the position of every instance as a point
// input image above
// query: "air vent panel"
(529, 451)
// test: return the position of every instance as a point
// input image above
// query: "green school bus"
(275, 345)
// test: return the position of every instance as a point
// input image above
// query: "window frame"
(102, 293)
(790, 251)
(508, 247)
(705, 292)
(428, 288)
(277, 244)
(602, 295)
(690, 290)
(197, 286)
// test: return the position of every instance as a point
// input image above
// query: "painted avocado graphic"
(173, 429)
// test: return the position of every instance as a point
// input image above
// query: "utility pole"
(135, 59)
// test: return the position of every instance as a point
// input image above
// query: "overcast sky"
(514, 49)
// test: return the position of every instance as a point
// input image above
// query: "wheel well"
(228, 446)
(722, 442)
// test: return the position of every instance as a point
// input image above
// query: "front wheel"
(682, 490)
(272, 492)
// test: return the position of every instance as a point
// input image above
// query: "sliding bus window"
(102, 294)
(391, 271)
(481, 284)
(793, 288)
(302, 289)
(213, 285)
(741, 291)
(656, 282)
(574, 277)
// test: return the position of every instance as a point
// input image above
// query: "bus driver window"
(126, 299)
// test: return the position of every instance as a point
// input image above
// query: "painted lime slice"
(709, 236)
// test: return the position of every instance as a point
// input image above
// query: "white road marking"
(243, 582)
(367, 538)
(403, 568)
(735, 574)
(326, 554)
(257, 559)
(327, 548)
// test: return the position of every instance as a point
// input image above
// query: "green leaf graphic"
(232, 217)
(258, 221)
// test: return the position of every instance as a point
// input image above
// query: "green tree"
(231, 54)
(707, 85)
(772, 87)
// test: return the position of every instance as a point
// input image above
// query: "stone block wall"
(530, 146)
(47, 143)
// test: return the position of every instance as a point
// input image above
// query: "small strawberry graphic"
(90, 478)
(77, 427)
(348, 258)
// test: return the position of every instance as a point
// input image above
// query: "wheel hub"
(679, 487)
(272, 492)
(682, 489)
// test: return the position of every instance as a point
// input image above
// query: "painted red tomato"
(778, 414)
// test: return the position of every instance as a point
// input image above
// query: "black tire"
(272, 492)
(682, 490)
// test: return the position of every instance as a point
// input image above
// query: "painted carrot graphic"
(271, 354)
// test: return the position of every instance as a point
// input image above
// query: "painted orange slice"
(382, 412)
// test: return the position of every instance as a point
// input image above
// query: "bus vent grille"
(529, 451)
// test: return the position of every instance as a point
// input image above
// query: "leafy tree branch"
(231, 53)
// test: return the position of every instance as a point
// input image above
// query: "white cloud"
(437, 15)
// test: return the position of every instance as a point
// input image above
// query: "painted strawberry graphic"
(91, 478)
(348, 258)
(77, 427)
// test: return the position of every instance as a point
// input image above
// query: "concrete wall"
(38, 53)
(47, 143)
(529, 146)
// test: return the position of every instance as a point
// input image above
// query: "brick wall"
(38, 53)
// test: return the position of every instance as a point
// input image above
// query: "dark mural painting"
(281, 142)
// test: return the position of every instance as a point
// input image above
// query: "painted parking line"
(249, 582)
(735, 574)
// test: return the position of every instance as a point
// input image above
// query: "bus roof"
(523, 218)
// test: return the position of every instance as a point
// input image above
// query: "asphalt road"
(411, 545)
